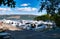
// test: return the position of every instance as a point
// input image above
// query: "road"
(26, 34)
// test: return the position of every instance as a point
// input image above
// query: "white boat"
(34, 26)
(49, 24)
(39, 27)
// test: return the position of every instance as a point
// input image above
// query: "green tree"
(9, 3)
(57, 20)
(50, 6)
(43, 17)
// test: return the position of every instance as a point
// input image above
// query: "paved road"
(52, 34)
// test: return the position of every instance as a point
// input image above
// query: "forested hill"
(24, 17)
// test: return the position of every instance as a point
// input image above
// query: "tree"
(50, 6)
(9, 3)
(57, 19)
(43, 17)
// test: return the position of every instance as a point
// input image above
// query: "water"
(29, 34)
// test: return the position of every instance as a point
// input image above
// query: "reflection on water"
(29, 34)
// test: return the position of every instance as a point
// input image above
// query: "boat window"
(40, 25)
(27, 23)
(48, 24)
(22, 25)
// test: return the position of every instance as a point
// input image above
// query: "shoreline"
(4, 26)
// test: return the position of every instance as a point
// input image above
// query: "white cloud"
(5, 9)
(25, 4)
(27, 9)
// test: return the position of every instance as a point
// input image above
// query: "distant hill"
(18, 17)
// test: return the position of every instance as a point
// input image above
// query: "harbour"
(29, 19)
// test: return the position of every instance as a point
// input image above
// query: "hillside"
(25, 17)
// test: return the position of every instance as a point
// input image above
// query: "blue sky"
(23, 7)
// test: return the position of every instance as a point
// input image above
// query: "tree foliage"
(9, 3)
(43, 17)
(50, 6)
(55, 18)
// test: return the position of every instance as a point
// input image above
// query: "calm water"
(29, 34)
